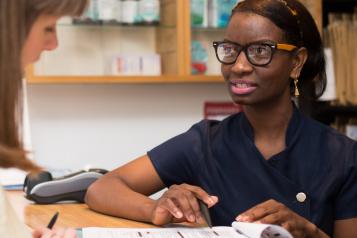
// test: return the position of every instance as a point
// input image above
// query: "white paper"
(255, 230)
(238, 230)
(216, 232)
(12, 177)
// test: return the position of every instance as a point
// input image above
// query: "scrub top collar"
(292, 133)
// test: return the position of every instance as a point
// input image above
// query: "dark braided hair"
(300, 29)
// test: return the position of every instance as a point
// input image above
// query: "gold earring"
(296, 93)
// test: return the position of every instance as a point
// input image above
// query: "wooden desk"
(71, 215)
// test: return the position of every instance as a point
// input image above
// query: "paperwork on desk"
(12, 179)
(237, 230)
(223, 232)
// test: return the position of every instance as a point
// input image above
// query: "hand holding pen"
(180, 203)
(49, 232)
(53, 221)
(205, 213)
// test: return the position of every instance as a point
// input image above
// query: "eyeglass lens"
(257, 54)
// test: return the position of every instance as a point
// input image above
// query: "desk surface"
(71, 215)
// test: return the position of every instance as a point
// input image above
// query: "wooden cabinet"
(85, 50)
(80, 57)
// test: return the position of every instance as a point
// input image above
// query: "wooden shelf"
(77, 22)
(337, 6)
(125, 79)
(343, 111)
(172, 42)
(327, 113)
(353, 2)
(169, 43)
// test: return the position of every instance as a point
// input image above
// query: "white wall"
(108, 125)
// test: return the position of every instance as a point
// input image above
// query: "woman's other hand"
(54, 233)
(179, 204)
(273, 212)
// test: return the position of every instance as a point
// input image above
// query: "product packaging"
(219, 12)
(151, 65)
(199, 13)
(199, 58)
(149, 11)
(129, 11)
(126, 65)
(108, 10)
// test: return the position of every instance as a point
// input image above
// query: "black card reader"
(44, 189)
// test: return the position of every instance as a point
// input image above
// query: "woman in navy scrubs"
(268, 164)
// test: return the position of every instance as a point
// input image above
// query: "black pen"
(53, 221)
(205, 212)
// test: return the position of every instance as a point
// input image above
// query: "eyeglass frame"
(273, 45)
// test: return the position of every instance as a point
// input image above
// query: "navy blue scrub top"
(221, 157)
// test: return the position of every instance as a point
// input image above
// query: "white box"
(126, 65)
(151, 65)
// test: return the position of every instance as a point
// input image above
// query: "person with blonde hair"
(27, 28)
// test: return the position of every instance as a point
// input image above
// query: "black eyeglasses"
(257, 53)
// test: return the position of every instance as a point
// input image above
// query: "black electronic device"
(42, 188)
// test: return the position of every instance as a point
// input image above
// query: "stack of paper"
(12, 179)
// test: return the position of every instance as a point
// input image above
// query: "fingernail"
(191, 218)
(199, 218)
(178, 214)
(212, 200)
(243, 218)
(238, 218)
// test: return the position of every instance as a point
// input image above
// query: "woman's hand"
(179, 204)
(273, 212)
(54, 233)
